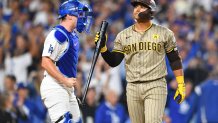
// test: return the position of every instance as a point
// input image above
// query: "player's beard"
(142, 17)
(141, 20)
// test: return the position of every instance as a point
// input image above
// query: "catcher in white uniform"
(60, 58)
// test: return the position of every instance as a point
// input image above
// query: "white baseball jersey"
(57, 98)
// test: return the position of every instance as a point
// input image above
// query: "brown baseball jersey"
(145, 52)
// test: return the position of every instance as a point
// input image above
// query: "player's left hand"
(180, 93)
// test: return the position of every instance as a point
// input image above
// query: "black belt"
(62, 117)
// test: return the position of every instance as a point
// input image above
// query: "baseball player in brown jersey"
(144, 46)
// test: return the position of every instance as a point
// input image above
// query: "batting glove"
(180, 92)
(103, 47)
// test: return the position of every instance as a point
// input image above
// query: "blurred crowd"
(24, 25)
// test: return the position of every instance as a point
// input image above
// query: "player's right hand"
(103, 43)
(70, 82)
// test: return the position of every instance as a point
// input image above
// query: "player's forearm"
(175, 60)
(113, 58)
(179, 75)
(50, 67)
(176, 65)
(178, 72)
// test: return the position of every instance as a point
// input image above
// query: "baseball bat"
(102, 32)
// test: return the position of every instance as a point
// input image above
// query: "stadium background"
(24, 25)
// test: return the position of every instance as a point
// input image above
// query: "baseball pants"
(59, 100)
(146, 101)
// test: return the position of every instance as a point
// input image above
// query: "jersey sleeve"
(170, 44)
(118, 45)
(52, 46)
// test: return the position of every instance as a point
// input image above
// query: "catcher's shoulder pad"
(60, 36)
